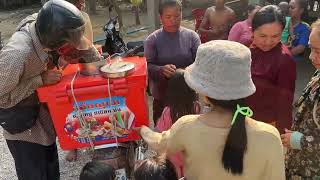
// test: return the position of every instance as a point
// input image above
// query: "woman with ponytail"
(224, 143)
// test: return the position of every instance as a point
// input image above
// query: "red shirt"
(274, 74)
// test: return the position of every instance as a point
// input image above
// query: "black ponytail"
(236, 143)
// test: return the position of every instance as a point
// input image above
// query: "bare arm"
(233, 18)
(303, 40)
(297, 50)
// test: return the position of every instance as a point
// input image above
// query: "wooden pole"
(136, 13)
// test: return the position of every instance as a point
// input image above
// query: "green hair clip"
(246, 111)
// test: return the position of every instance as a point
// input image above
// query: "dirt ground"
(10, 19)
(8, 22)
(70, 171)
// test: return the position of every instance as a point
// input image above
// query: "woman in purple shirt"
(168, 49)
(242, 31)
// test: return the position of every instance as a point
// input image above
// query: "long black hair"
(180, 97)
(236, 143)
(266, 15)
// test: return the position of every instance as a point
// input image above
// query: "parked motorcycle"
(114, 44)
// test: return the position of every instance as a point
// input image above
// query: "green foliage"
(136, 2)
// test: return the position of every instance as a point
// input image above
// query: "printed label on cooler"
(104, 120)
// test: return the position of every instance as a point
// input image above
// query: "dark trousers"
(35, 161)
(158, 107)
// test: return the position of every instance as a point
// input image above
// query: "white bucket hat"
(221, 71)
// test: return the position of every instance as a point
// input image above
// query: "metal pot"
(117, 69)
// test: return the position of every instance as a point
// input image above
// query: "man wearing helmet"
(26, 63)
(80, 4)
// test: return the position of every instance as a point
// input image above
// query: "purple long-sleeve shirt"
(162, 48)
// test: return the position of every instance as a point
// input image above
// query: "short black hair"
(169, 3)
(96, 170)
(155, 168)
(266, 15)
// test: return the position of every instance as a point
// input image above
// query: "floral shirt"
(306, 162)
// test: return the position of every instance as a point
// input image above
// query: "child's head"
(96, 170)
(180, 97)
(156, 168)
(284, 6)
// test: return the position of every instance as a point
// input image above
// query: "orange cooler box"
(108, 121)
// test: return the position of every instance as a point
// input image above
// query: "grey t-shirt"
(163, 48)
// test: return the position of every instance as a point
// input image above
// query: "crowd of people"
(222, 109)
(244, 94)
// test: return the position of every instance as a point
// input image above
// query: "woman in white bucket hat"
(225, 143)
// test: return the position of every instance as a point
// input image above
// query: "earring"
(206, 105)
(206, 108)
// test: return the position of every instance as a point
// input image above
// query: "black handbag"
(22, 116)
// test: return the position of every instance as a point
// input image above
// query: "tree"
(136, 4)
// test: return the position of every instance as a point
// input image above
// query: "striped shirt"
(22, 61)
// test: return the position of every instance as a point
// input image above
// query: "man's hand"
(285, 138)
(50, 77)
(168, 70)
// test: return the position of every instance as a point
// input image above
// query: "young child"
(181, 100)
(96, 170)
(156, 168)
